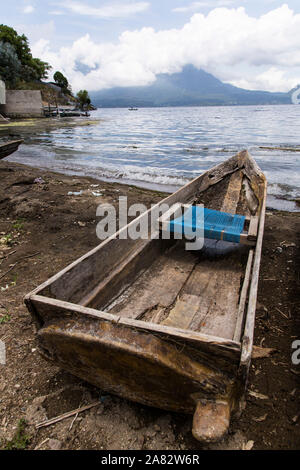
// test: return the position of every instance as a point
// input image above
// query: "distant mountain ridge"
(190, 87)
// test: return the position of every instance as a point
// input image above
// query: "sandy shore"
(44, 226)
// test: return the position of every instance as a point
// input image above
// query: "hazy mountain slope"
(191, 87)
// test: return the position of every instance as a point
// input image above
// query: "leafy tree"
(84, 99)
(40, 68)
(31, 68)
(61, 80)
(20, 43)
(10, 66)
(63, 83)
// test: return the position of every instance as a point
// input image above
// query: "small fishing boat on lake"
(150, 321)
(7, 148)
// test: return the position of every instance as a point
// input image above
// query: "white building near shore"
(2, 92)
(2, 97)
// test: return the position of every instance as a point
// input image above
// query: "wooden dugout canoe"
(9, 147)
(154, 323)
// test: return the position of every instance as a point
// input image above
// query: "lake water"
(165, 147)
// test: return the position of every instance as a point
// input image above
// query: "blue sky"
(99, 43)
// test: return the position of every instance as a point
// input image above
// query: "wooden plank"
(215, 344)
(243, 297)
(253, 227)
(244, 240)
(230, 166)
(158, 286)
(216, 347)
(221, 298)
(247, 341)
(184, 311)
(121, 276)
(199, 285)
(209, 299)
(48, 307)
(233, 193)
(250, 196)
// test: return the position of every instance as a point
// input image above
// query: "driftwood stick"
(260, 353)
(283, 314)
(41, 443)
(48, 422)
(8, 254)
(17, 262)
(10, 269)
(73, 421)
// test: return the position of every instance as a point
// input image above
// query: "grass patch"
(6, 240)
(14, 280)
(4, 319)
(18, 225)
(21, 440)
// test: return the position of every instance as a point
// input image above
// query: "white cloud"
(28, 9)
(273, 79)
(259, 53)
(56, 12)
(196, 6)
(114, 10)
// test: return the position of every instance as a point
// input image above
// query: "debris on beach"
(260, 396)
(75, 193)
(87, 192)
(39, 180)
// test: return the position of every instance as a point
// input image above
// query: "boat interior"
(159, 281)
(194, 290)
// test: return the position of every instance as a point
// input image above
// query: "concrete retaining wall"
(23, 103)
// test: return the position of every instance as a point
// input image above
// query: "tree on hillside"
(84, 99)
(10, 66)
(31, 68)
(39, 69)
(60, 80)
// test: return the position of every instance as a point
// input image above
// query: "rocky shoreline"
(47, 220)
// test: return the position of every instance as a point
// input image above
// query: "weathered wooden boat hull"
(152, 323)
(9, 147)
(118, 354)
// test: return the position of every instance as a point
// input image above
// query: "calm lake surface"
(165, 147)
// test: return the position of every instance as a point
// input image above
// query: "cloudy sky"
(98, 44)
